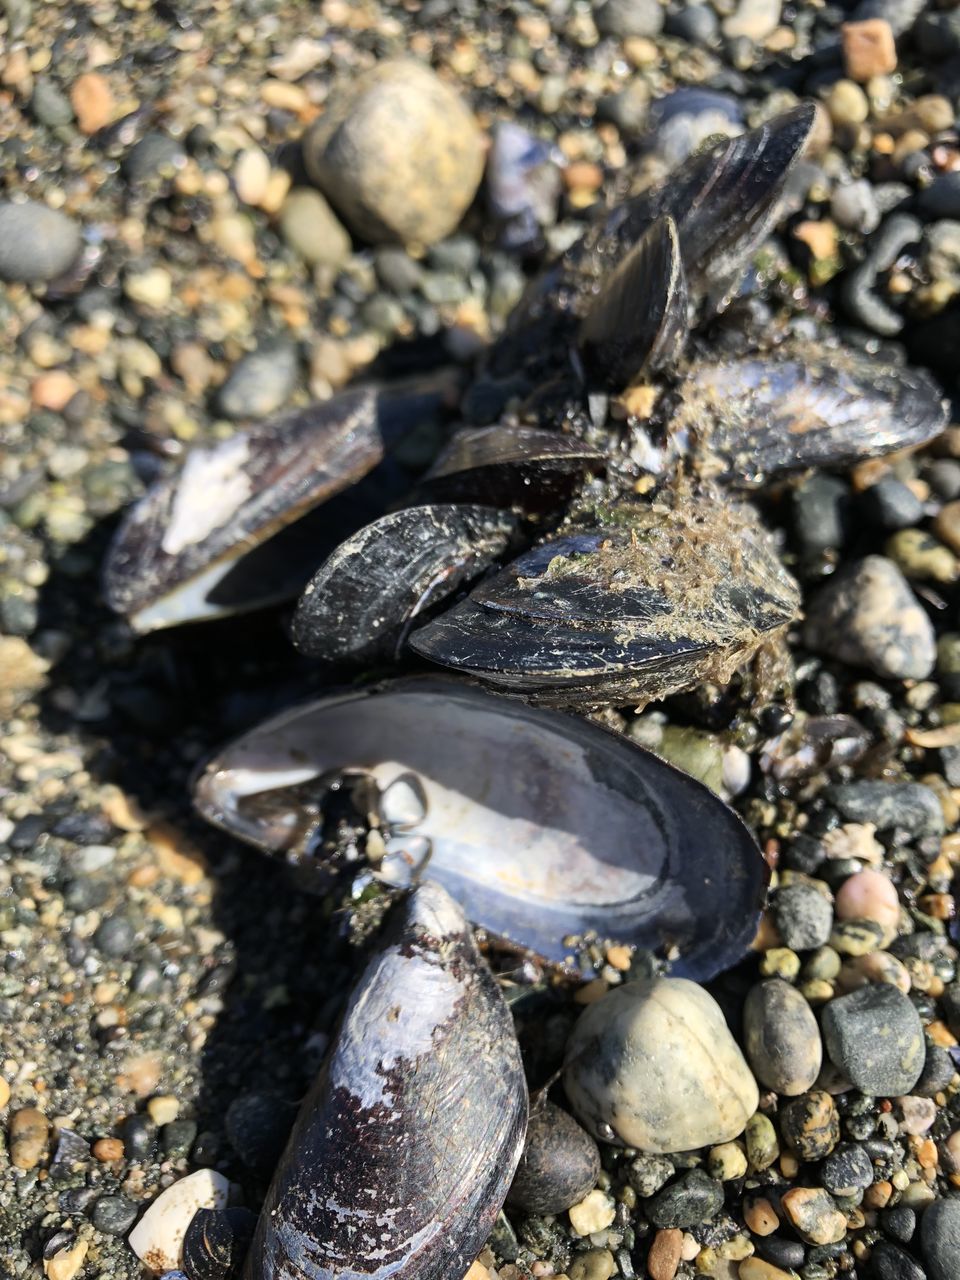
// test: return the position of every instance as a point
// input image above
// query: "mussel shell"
(724, 203)
(407, 1143)
(638, 322)
(655, 600)
(360, 603)
(508, 466)
(216, 1243)
(809, 406)
(199, 543)
(543, 825)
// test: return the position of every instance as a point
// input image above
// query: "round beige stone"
(653, 1066)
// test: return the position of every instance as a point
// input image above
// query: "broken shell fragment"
(363, 600)
(652, 1065)
(406, 1145)
(227, 532)
(544, 826)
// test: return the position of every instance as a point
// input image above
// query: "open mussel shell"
(216, 1243)
(506, 466)
(227, 532)
(724, 203)
(655, 599)
(806, 406)
(638, 322)
(546, 827)
(406, 1145)
(362, 601)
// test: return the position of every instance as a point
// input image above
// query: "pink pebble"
(869, 895)
(918, 1114)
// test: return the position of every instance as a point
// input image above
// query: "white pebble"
(595, 1212)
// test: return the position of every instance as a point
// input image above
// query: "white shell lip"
(545, 827)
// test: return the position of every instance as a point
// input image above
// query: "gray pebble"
(820, 510)
(155, 155)
(696, 23)
(901, 14)
(942, 198)
(50, 105)
(114, 1215)
(36, 243)
(787, 1254)
(260, 383)
(900, 1222)
(396, 270)
(628, 110)
(624, 18)
(559, 1165)
(909, 806)
(692, 1199)
(938, 1071)
(875, 1038)
(940, 1238)
(804, 916)
(313, 231)
(647, 1174)
(854, 207)
(869, 617)
(847, 1170)
(139, 1138)
(115, 936)
(891, 504)
(178, 1137)
(781, 1037)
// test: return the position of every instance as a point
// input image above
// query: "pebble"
(761, 1141)
(654, 1063)
(814, 1215)
(853, 206)
(847, 1170)
(559, 1165)
(727, 1162)
(909, 806)
(899, 1222)
(846, 103)
(940, 1238)
(890, 1262)
(251, 175)
(106, 1150)
(50, 105)
(261, 383)
(868, 616)
(760, 1215)
(592, 1264)
(398, 154)
(594, 1212)
(114, 1215)
(869, 895)
(664, 1256)
(868, 49)
(874, 1037)
(918, 1114)
(889, 503)
(115, 936)
(753, 19)
(758, 1269)
(163, 1109)
(625, 18)
(139, 1138)
(157, 1239)
(692, 1199)
(29, 1134)
(92, 100)
(781, 1037)
(4, 1093)
(313, 231)
(810, 1125)
(67, 1262)
(941, 199)
(804, 915)
(36, 243)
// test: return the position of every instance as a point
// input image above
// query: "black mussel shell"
(654, 600)
(406, 1145)
(362, 601)
(809, 406)
(508, 466)
(724, 203)
(224, 534)
(544, 826)
(216, 1243)
(638, 322)
(559, 1165)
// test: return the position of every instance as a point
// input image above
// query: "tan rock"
(814, 1215)
(653, 1065)
(760, 1215)
(22, 672)
(595, 1212)
(757, 1269)
(92, 100)
(868, 49)
(29, 1132)
(664, 1256)
(398, 153)
(53, 390)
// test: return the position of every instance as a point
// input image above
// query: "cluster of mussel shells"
(565, 555)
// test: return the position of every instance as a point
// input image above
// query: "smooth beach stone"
(810, 1125)
(781, 1037)
(874, 1036)
(653, 1065)
(559, 1165)
(37, 243)
(940, 1238)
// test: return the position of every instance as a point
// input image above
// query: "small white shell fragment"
(157, 1239)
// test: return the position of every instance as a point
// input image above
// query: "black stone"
(875, 1038)
(788, 1254)
(908, 805)
(900, 1223)
(889, 1262)
(938, 1071)
(139, 1138)
(178, 1137)
(890, 504)
(114, 1215)
(77, 1199)
(847, 1169)
(115, 936)
(694, 1198)
(940, 1238)
(559, 1165)
(821, 513)
(804, 916)
(258, 1126)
